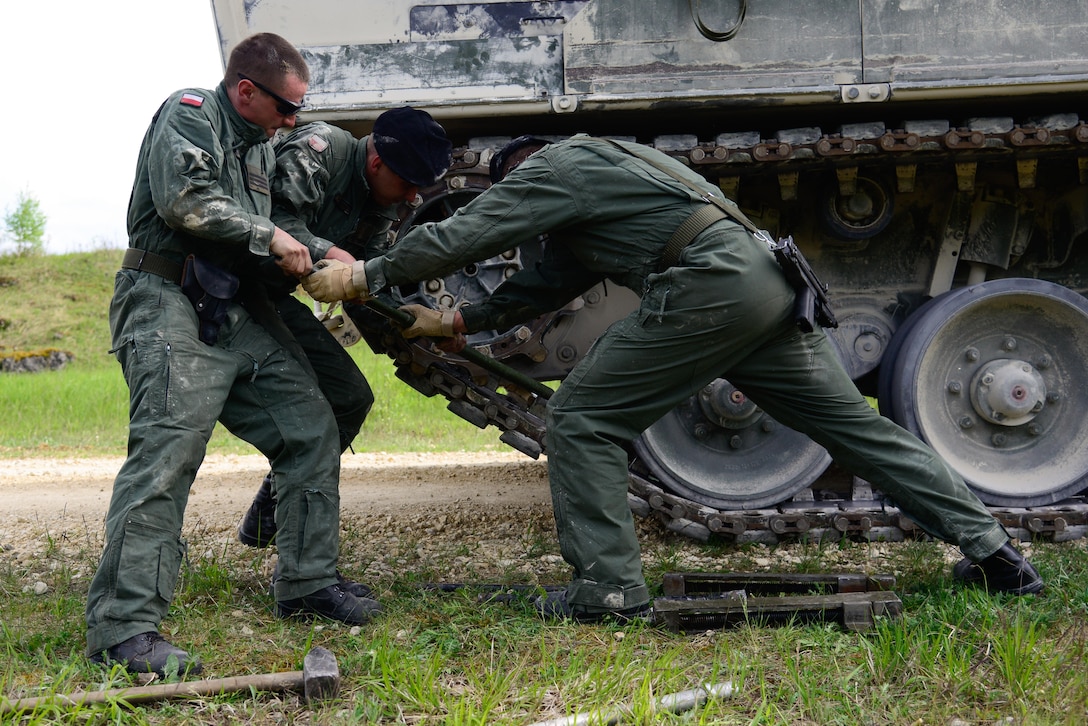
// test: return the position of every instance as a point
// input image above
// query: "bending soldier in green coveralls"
(723, 308)
(198, 222)
(338, 196)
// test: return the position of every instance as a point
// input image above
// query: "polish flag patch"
(318, 144)
(191, 99)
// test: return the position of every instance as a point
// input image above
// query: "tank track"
(982, 140)
(830, 508)
(824, 511)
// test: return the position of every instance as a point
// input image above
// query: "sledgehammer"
(319, 679)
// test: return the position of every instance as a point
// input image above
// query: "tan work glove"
(333, 280)
(429, 322)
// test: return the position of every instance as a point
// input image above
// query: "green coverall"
(724, 310)
(202, 187)
(320, 197)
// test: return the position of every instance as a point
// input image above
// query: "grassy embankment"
(61, 301)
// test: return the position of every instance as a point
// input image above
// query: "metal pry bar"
(488, 363)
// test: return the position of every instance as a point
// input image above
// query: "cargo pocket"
(654, 299)
(320, 534)
(147, 570)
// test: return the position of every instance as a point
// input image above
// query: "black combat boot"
(149, 653)
(333, 602)
(357, 589)
(554, 606)
(1004, 571)
(258, 528)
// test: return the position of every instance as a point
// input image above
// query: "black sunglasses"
(283, 106)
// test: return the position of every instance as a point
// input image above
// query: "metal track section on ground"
(700, 601)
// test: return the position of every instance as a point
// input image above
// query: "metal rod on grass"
(673, 703)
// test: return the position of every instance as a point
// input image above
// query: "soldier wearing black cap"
(338, 195)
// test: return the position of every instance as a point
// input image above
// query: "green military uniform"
(724, 310)
(321, 198)
(202, 186)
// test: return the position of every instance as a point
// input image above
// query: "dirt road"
(485, 515)
(53, 510)
(54, 491)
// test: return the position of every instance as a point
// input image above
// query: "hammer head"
(320, 675)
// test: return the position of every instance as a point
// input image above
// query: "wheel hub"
(1008, 392)
(724, 405)
(992, 377)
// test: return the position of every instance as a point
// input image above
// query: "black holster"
(812, 306)
(211, 291)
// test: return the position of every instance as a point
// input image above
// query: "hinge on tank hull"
(865, 92)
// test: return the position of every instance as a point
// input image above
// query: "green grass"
(955, 656)
(84, 412)
(448, 659)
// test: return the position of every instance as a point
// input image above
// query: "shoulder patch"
(191, 99)
(318, 144)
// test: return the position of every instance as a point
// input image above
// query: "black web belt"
(145, 261)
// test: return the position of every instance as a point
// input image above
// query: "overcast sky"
(84, 79)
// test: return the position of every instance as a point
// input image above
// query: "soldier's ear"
(245, 90)
(373, 162)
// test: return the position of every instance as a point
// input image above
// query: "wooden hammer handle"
(290, 680)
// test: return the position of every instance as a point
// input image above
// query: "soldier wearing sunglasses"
(199, 223)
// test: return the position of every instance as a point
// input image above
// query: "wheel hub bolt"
(955, 387)
(702, 431)
(1043, 362)
(736, 442)
(966, 422)
(1034, 429)
(1008, 344)
(971, 354)
(998, 439)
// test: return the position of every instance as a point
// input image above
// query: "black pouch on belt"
(211, 291)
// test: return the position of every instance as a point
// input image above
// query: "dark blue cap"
(413, 145)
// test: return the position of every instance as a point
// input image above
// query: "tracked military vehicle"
(930, 158)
